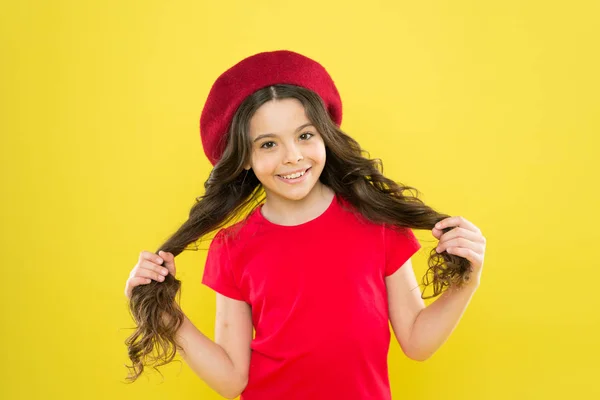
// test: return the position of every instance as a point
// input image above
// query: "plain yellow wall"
(489, 109)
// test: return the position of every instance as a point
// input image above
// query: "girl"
(312, 250)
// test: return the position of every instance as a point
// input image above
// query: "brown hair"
(231, 192)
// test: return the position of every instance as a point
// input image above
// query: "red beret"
(254, 73)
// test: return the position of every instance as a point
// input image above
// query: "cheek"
(264, 165)
(317, 152)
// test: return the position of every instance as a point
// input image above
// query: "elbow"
(420, 359)
(233, 391)
(229, 393)
(418, 356)
(415, 352)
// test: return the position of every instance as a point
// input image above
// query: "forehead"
(278, 117)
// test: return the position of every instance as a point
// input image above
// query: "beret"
(251, 74)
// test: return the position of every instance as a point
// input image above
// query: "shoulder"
(239, 232)
(394, 231)
(349, 210)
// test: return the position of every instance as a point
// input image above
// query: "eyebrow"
(274, 135)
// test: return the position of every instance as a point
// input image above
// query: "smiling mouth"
(295, 177)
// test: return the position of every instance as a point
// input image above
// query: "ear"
(248, 165)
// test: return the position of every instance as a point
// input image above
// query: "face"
(285, 142)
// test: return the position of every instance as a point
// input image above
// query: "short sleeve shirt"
(318, 298)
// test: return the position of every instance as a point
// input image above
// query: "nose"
(292, 154)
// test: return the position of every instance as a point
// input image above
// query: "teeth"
(293, 176)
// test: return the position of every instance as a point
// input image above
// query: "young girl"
(312, 250)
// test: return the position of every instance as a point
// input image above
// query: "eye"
(264, 145)
(307, 133)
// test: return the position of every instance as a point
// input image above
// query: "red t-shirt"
(318, 298)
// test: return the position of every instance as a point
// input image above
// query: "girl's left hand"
(464, 241)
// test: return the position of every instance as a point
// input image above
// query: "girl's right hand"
(149, 268)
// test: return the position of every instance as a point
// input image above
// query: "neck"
(294, 212)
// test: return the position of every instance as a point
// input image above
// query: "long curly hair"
(231, 192)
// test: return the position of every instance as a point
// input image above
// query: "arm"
(421, 330)
(224, 363)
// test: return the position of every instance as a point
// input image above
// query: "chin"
(292, 195)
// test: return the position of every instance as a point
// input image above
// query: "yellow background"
(490, 109)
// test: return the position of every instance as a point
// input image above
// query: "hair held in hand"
(232, 192)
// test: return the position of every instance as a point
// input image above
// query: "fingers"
(133, 282)
(458, 233)
(458, 237)
(457, 221)
(169, 261)
(143, 273)
(437, 233)
(149, 268)
(154, 263)
(147, 255)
